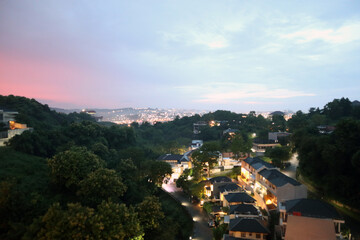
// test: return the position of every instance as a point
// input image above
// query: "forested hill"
(328, 144)
(37, 115)
(72, 178)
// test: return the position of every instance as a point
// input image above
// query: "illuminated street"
(290, 171)
(200, 218)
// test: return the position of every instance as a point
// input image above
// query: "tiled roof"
(277, 178)
(311, 208)
(239, 197)
(220, 179)
(168, 157)
(229, 187)
(244, 209)
(251, 225)
(258, 163)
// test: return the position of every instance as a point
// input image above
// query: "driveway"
(201, 229)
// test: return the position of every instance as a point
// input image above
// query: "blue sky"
(233, 55)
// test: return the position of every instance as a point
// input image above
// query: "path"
(291, 170)
(201, 229)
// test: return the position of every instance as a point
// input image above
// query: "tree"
(116, 221)
(158, 170)
(70, 167)
(102, 184)
(74, 223)
(278, 155)
(150, 213)
(239, 146)
(109, 221)
(207, 156)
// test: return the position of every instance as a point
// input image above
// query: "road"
(291, 170)
(201, 229)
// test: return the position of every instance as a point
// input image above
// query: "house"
(213, 184)
(228, 160)
(230, 131)
(227, 188)
(247, 228)
(250, 168)
(325, 129)
(195, 144)
(269, 183)
(243, 210)
(274, 187)
(260, 145)
(309, 208)
(178, 163)
(237, 198)
(11, 127)
(197, 126)
(299, 228)
(275, 136)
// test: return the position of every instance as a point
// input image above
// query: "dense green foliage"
(330, 160)
(279, 155)
(37, 115)
(98, 181)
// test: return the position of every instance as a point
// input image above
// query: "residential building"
(243, 210)
(11, 127)
(269, 183)
(227, 188)
(230, 131)
(274, 187)
(237, 198)
(178, 163)
(299, 228)
(212, 186)
(309, 208)
(195, 144)
(260, 145)
(250, 167)
(274, 136)
(247, 228)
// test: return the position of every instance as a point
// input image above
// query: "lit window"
(243, 234)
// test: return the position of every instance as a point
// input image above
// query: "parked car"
(211, 223)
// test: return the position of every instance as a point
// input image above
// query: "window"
(243, 234)
(258, 235)
(250, 234)
(264, 236)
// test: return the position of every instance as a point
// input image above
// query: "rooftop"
(299, 228)
(229, 187)
(220, 179)
(247, 225)
(311, 208)
(258, 163)
(277, 178)
(248, 209)
(174, 157)
(239, 197)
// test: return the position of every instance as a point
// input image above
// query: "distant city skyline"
(206, 55)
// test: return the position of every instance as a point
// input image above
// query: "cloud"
(349, 32)
(209, 39)
(229, 92)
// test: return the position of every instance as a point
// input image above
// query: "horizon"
(235, 55)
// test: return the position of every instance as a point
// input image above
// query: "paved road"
(291, 170)
(201, 229)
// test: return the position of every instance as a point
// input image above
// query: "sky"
(231, 54)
